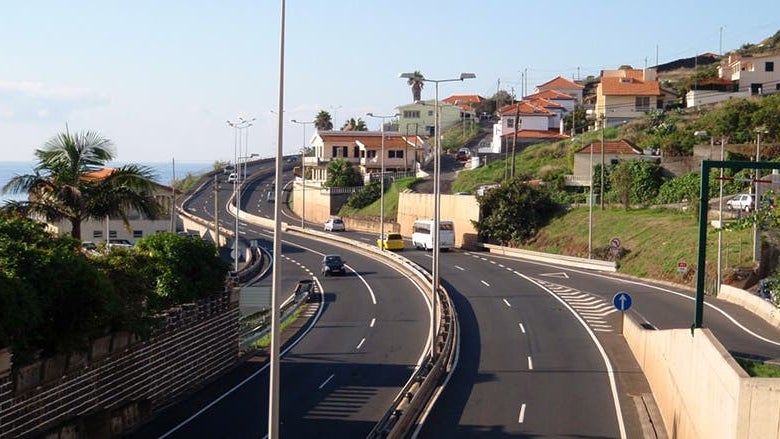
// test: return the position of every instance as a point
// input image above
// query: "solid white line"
(604, 357)
(507, 303)
(460, 268)
(522, 328)
(521, 418)
(361, 343)
(372, 323)
(530, 363)
(485, 283)
(326, 381)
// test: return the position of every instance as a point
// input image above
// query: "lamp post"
(237, 127)
(382, 180)
(719, 273)
(303, 172)
(757, 201)
(333, 108)
(436, 196)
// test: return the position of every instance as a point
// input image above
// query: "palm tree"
(416, 82)
(355, 125)
(322, 122)
(66, 186)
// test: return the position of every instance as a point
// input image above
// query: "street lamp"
(436, 195)
(237, 126)
(382, 180)
(303, 172)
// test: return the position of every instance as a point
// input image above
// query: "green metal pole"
(700, 264)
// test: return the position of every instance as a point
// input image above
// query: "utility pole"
(216, 210)
(514, 142)
(601, 191)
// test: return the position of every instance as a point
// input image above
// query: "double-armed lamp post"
(436, 194)
(303, 172)
(382, 180)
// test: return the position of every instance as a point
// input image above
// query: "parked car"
(463, 155)
(89, 247)
(332, 264)
(334, 225)
(391, 241)
(744, 202)
(229, 169)
(232, 177)
(114, 242)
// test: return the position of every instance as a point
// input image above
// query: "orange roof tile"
(463, 99)
(98, 174)
(615, 86)
(523, 107)
(551, 94)
(560, 82)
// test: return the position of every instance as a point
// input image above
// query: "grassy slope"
(391, 201)
(654, 240)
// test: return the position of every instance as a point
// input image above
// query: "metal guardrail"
(419, 391)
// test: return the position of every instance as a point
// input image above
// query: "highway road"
(368, 335)
(540, 347)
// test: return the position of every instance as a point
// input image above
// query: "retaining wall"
(700, 389)
(121, 381)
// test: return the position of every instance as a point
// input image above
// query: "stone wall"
(121, 381)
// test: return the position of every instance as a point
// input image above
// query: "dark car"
(332, 264)
(462, 155)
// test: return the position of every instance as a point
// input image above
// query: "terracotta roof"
(525, 107)
(536, 134)
(464, 99)
(614, 147)
(629, 86)
(390, 142)
(546, 103)
(333, 136)
(551, 94)
(560, 82)
(98, 174)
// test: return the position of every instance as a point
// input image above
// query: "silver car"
(334, 225)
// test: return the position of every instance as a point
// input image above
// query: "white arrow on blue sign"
(622, 301)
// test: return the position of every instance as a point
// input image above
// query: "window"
(642, 103)
(430, 112)
(769, 66)
(355, 151)
(345, 151)
(138, 233)
(510, 123)
(395, 154)
(409, 114)
(112, 233)
(97, 234)
(371, 153)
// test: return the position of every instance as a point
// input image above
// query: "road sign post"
(622, 302)
(682, 267)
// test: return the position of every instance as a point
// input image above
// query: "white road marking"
(361, 343)
(521, 418)
(372, 323)
(326, 381)
(485, 283)
(522, 328)
(460, 268)
(507, 303)
(530, 363)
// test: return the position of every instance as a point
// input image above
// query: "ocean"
(164, 173)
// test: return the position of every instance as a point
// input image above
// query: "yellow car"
(391, 241)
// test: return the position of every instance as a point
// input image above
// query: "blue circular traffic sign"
(622, 301)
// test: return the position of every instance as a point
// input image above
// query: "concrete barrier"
(569, 261)
(701, 391)
(758, 306)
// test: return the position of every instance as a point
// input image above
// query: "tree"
(513, 212)
(341, 173)
(63, 189)
(354, 125)
(185, 268)
(417, 81)
(323, 121)
(53, 300)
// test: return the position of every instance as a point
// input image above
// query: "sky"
(162, 78)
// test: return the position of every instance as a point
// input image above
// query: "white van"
(422, 238)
